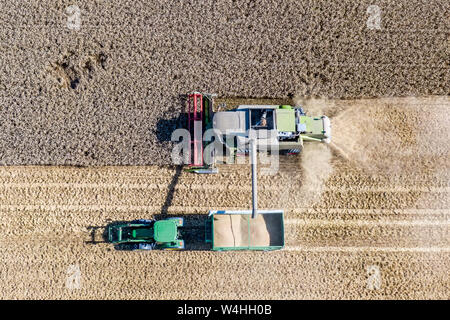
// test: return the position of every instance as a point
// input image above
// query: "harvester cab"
(280, 128)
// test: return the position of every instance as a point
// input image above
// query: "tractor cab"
(165, 231)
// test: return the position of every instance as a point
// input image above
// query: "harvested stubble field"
(348, 215)
(366, 217)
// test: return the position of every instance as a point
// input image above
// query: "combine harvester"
(280, 128)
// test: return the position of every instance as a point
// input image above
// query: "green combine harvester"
(275, 128)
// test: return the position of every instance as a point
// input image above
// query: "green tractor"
(145, 234)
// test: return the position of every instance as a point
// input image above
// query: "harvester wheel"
(290, 152)
(293, 151)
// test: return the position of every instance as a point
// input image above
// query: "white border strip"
(369, 249)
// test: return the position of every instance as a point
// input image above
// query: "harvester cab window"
(261, 119)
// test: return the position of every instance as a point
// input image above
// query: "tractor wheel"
(177, 248)
(144, 221)
(134, 246)
(146, 246)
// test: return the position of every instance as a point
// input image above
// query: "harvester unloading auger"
(275, 128)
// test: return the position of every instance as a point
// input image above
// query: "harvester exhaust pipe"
(254, 179)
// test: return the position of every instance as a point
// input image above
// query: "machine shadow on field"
(171, 189)
(165, 127)
(93, 232)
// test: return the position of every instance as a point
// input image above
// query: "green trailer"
(237, 230)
